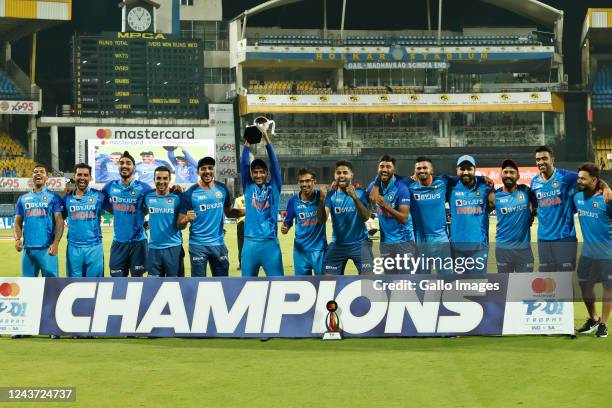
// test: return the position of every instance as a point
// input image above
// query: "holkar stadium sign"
(380, 306)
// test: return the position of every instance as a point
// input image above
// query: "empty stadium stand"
(602, 89)
(8, 90)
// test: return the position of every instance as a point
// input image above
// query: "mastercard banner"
(21, 302)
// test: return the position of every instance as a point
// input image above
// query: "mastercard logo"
(543, 285)
(104, 133)
(9, 289)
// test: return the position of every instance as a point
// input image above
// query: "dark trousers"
(240, 231)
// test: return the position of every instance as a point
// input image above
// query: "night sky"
(53, 65)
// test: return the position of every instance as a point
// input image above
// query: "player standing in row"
(310, 240)
(204, 205)
(107, 167)
(185, 166)
(392, 205)
(39, 226)
(514, 211)
(129, 249)
(349, 209)
(166, 254)
(83, 208)
(147, 166)
(595, 266)
(469, 229)
(262, 198)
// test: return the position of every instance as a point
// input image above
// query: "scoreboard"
(138, 75)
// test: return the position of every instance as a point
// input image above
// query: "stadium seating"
(289, 87)
(8, 90)
(375, 90)
(496, 136)
(602, 89)
(13, 160)
(603, 148)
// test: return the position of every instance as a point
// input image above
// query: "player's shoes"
(54, 336)
(588, 327)
(602, 330)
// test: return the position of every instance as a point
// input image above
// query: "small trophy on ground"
(332, 322)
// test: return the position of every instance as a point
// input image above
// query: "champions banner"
(373, 306)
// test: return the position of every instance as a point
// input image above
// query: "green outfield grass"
(523, 371)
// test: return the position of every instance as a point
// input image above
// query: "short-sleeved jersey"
(126, 204)
(395, 194)
(428, 210)
(309, 234)
(469, 217)
(555, 205)
(83, 217)
(595, 216)
(348, 227)
(209, 205)
(145, 171)
(513, 218)
(163, 213)
(37, 211)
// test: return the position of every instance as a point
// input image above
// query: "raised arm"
(275, 171)
(189, 158)
(245, 169)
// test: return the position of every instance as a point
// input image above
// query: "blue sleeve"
(186, 201)
(328, 201)
(58, 204)
(146, 188)
(365, 199)
(609, 209)
(245, 169)
(275, 171)
(371, 186)
(290, 212)
(103, 201)
(228, 201)
(570, 177)
(450, 181)
(165, 163)
(19, 207)
(403, 195)
(172, 157)
(190, 159)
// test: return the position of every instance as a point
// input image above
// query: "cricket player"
(129, 249)
(469, 229)
(262, 198)
(108, 167)
(310, 240)
(514, 211)
(83, 208)
(39, 226)
(146, 167)
(595, 265)
(239, 203)
(166, 254)
(185, 167)
(349, 209)
(204, 205)
(392, 205)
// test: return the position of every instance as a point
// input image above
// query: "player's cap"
(206, 161)
(466, 158)
(127, 154)
(509, 163)
(147, 153)
(259, 163)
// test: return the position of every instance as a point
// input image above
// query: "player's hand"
(350, 190)
(488, 181)
(284, 228)
(176, 189)
(333, 185)
(266, 136)
(323, 191)
(382, 203)
(18, 245)
(374, 194)
(191, 215)
(68, 190)
(53, 249)
(146, 225)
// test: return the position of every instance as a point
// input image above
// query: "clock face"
(139, 19)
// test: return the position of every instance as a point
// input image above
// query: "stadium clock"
(139, 19)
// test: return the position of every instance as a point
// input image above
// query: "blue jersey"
(309, 234)
(349, 228)
(261, 202)
(513, 218)
(108, 170)
(396, 194)
(145, 170)
(209, 205)
(469, 217)
(595, 218)
(187, 173)
(163, 213)
(555, 204)
(428, 210)
(37, 211)
(83, 217)
(128, 210)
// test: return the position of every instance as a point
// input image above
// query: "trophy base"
(332, 336)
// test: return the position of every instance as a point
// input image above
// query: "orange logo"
(9, 289)
(104, 133)
(543, 285)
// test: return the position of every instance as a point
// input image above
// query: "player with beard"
(514, 212)
(310, 239)
(39, 222)
(204, 205)
(349, 211)
(83, 208)
(126, 196)
(146, 167)
(392, 207)
(469, 235)
(595, 216)
(261, 198)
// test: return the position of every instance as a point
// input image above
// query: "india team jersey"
(37, 211)
(427, 207)
(513, 218)
(128, 210)
(555, 204)
(595, 218)
(348, 227)
(145, 170)
(163, 213)
(309, 234)
(391, 230)
(469, 218)
(209, 205)
(187, 173)
(83, 217)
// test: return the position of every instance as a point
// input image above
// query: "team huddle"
(412, 215)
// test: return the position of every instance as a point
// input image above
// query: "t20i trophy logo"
(332, 322)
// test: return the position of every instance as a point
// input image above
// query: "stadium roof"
(532, 9)
(128, 2)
